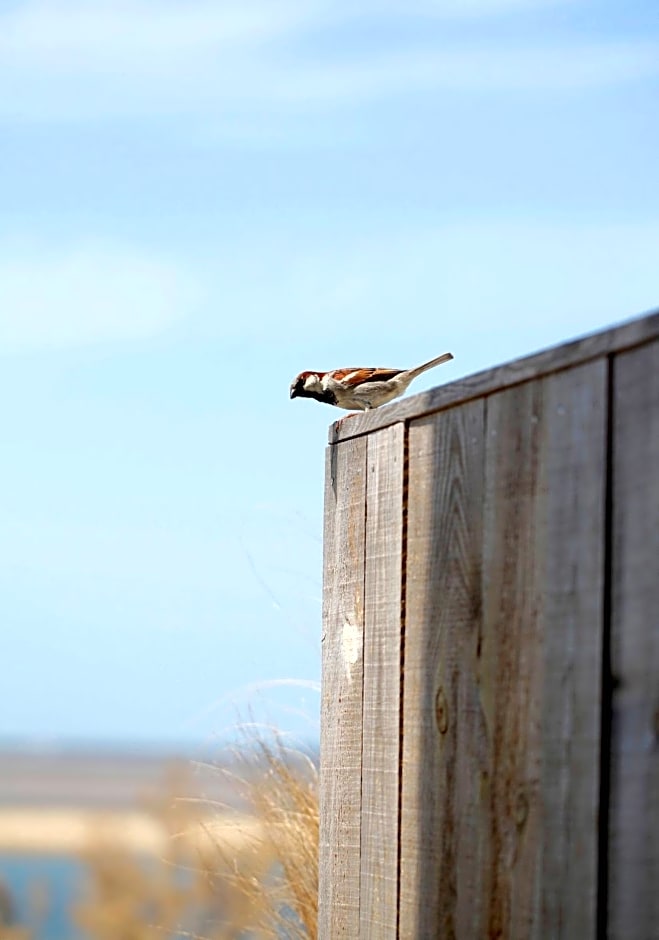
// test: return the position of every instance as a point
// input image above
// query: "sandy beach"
(76, 831)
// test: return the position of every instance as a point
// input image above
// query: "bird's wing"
(350, 378)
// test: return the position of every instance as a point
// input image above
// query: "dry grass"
(214, 872)
(227, 874)
(281, 787)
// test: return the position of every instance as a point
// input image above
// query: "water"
(43, 891)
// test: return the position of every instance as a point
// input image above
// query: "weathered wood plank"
(502, 663)
(541, 657)
(341, 698)
(444, 743)
(634, 804)
(382, 662)
(596, 345)
(573, 481)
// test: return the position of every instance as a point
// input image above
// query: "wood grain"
(573, 490)
(482, 562)
(382, 663)
(341, 698)
(444, 736)
(502, 663)
(566, 356)
(540, 676)
(634, 808)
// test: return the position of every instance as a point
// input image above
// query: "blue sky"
(199, 200)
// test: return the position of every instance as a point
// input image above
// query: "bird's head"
(306, 385)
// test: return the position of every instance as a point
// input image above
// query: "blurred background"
(199, 200)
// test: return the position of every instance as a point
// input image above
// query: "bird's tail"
(446, 357)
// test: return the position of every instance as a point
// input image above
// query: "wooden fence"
(490, 705)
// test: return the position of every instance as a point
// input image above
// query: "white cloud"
(522, 284)
(474, 69)
(75, 32)
(462, 9)
(76, 60)
(87, 294)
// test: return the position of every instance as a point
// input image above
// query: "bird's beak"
(293, 392)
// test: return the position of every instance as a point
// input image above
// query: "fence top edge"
(576, 352)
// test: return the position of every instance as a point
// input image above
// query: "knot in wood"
(521, 808)
(441, 711)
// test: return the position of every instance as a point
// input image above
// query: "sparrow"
(362, 388)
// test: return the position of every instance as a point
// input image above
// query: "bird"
(361, 388)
